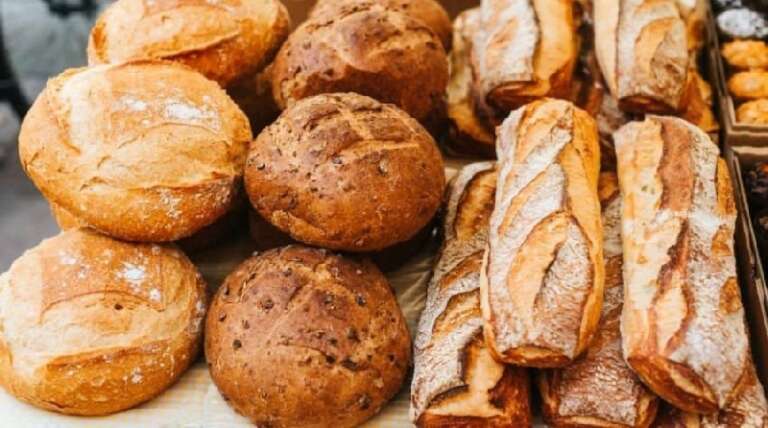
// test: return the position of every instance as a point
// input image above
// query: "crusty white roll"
(542, 280)
(683, 326)
(599, 389)
(92, 326)
(456, 381)
(224, 39)
(142, 151)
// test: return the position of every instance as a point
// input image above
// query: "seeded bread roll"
(456, 381)
(142, 151)
(223, 39)
(683, 328)
(543, 274)
(371, 50)
(346, 172)
(599, 389)
(428, 12)
(92, 326)
(300, 337)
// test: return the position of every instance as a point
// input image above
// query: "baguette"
(683, 326)
(456, 382)
(542, 280)
(599, 389)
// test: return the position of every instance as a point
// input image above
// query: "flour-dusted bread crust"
(524, 50)
(301, 337)
(641, 46)
(371, 50)
(456, 381)
(542, 280)
(223, 39)
(599, 389)
(92, 326)
(142, 151)
(683, 326)
(346, 172)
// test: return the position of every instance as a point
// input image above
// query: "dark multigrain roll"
(300, 337)
(346, 172)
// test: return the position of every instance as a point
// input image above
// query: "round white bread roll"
(91, 326)
(143, 151)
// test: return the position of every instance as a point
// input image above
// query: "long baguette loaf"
(599, 389)
(456, 382)
(542, 283)
(683, 326)
(642, 50)
(524, 50)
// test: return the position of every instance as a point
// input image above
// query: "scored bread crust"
(224, 39)
(92, 326)
(142, 151)
(642, 50)
(524, 50)
(683, 327)
(456, 382)
(542, 280)
(599, 389)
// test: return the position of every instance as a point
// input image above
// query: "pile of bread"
(615, 287)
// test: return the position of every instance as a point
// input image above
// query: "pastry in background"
(93, 326)
(757, 186)
(749, 85)
(142, 151)
(300, 337)
(456, 382)
(753, 112)
(346, 172)
(746, 54)
(742, 23)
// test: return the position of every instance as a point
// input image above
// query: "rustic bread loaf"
(222, 39)
(524, 50)
(428, 12)
(142, 151)
(455, 380)
(642, 50)
(300, 337)
(346, 172)
(683, 327)
(92, 326)
(371, 50)
(599, 389)
(542, 280)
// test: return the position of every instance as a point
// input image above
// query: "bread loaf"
(456, 382)
(524, 50)
(599, 389)
(641, 46)
(224, 39)
(542, 280)
(92, 326)
(300, 337)
(142, 151)
(683, 327)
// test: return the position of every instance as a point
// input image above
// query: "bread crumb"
(136, 376)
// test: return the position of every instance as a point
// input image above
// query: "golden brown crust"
(697, 104)
(225, 40)
(370, 50)
(92, 326)
(746, 54)
(749, 85)
(143, 151)
(326, 329)
(753, 112)
(346, 172)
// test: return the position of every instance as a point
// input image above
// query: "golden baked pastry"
(749, 85)
(746, 54)
(753, 112)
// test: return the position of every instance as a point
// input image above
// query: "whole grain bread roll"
(300, 337)
(93, 326)
(599, 389)
(223, 39)
(428, 12)
(543, 274)
(456, 381)
(371, 50)
(345, 172)
(142, 151)
(524, 50)
(683, 328)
